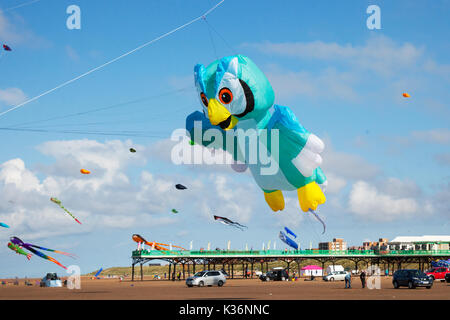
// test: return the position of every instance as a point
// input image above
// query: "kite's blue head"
(233, 89)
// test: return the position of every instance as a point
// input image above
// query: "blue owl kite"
(236, 95)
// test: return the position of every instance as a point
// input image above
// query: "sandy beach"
(237, 289)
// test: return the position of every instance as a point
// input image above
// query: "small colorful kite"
(58, 202)
(406, 95)
(132, 150)
(6, 48)
(29, 247)
(290, 232)
(18, 249)
(229, 222)
(4, 225)
(180, 187)
(174, 211)
(84, 171)
(98, 272)
(283, 237)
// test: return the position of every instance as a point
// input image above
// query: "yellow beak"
(220, 116)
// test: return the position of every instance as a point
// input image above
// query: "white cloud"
(440, 136)
(379, 204)
(379, 54)
(13, 31)
(207, 159)
(7, 31)
(347, 165)
(327, 84)
(227, 198)
(335, 183)
(72, 53)
(12, 96)
(107, 198)
(292, 215)
(442, 200)
(443, 159)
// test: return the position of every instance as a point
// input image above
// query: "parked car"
(447, 277)
(335, 276)
(411, 278)
(207, 278)
(438, 273)
(276, 274)
(51, 280)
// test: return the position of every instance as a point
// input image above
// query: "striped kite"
(155, 245)
(283, 237)
(19, 250)
(30, 247)
(229, 222)
(289, 231)
(58, 202)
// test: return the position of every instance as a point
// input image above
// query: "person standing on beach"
(362, 276)
(348, 281)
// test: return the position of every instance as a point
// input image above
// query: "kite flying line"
(19, 6)
(113, 60)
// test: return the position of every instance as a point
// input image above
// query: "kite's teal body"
(235, 95)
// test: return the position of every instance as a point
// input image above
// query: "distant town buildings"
(382, 244)
(338, 244)
(398, 243)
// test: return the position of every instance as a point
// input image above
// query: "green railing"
(224, 253)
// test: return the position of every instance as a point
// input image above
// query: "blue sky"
(387, 158)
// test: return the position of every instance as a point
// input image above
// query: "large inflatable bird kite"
(235, 95)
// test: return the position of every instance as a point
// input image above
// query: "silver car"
(335, 275)
(207, 278)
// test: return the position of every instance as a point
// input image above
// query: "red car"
(438, 273)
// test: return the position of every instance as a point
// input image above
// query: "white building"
(311, 270)
(420, 243)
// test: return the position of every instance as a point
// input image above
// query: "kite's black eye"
(225, 95)
(204, 99)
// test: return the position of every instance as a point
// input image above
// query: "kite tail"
(56, 251)
(318, 218)
(40, 254)
(163, 250)
(73, 256)
(240, 227)
(55, 261)
(70, 214)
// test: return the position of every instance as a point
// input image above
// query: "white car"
(207, 278)
(335, 276)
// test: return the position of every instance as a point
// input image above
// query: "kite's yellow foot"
(275, 200)
(310, 196)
